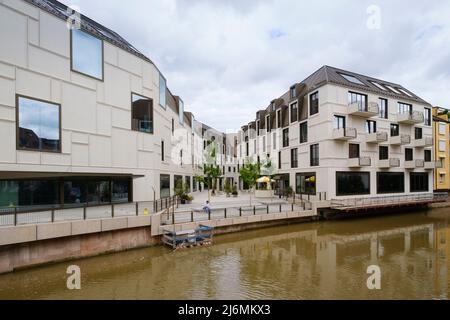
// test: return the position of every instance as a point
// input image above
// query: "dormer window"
(293, 92)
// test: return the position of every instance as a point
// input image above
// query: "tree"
(211, 172)
(227, 187)
(249, 174)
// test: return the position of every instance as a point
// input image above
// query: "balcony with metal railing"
(344, 134)
(413, 164)
(377, 137)
(424, 142)
(414, 117)
(432, 165)
(362, 109)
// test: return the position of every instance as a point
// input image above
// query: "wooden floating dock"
(202, 236)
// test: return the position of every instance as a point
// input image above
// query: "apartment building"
(85, 118)
(441, 134)
(342, 135)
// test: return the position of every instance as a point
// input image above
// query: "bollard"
(254, 210)
(292, 207)
(240, 212)
(225, 213)
(280, 208)
(84, 212)
(192, 216)
(15, 216)
(112, 211)
(173, 218)
(209, 215)
(267, 209)
(137, 209)
(53, 215)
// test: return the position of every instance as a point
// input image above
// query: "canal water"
(320, 260)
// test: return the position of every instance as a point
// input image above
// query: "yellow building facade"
(441, 134)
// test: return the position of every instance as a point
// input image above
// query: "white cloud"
(229, 59)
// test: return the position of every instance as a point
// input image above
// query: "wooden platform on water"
(202, 236)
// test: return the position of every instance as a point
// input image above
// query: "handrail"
(365, 201)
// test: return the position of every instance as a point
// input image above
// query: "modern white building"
(85, 118)
(341, 135)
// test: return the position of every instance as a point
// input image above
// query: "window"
(441, 178)
(257, 128)
(384, 153)
(86, 54)
(305, 183)
(384, 112)
(286, 138)
(371, 126)
(268, 126)
(187, 179)
(339, 122)
(360, 99)
(162, 91)
(409, 154)
(417, 133)
(162, 150)
(404, 108)
(181, 111)
(279, 160)
(442, 127)
(352, 183)
(39, 126)
(142, 113)
(194, 184)
(442, 145)
(427, 116)
(379, 86)
(247, 149)
(314, 103)
(293, 92)
(294, 112)
(274, 141)
(294, 158)
(279, 119)
(353, 150)
(392, 89)
(29, 193)
(254, 146)
(418, 182)
(173, 126)
(304, 132)
(395, 130)
(350, 78)
(121, 190)
(314, 155)
(427, 155)
(164, 185)
(181, 157)
(390, 182)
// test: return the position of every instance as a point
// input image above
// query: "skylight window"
(351, 78)
(379, 86)
(406, 92)
(393, 89)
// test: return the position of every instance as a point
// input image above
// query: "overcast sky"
(227, 59)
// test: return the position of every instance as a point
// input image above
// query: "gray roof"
(333, 75)
(61, 11)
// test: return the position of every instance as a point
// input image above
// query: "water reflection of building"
(443, 261)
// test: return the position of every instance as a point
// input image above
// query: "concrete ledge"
(224, 222)
(252, 219)
(141, 221)
(114, 224)
(53, 230)
(21, 234)
(86, 227)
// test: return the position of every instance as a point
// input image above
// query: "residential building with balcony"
(345, 135)
(441, 136)
(86, 118)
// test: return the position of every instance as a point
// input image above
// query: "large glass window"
(352, 183)
(314, 155)
(98, 192)
(383, 108)
(418, 181)
(427, 114)
(279, 119)
(29, 194)
(339, 122)
(142, 114)
(361, 99)
(120, 190)
(39, 125)
(305, 183)
(87, 54)
(304, 132)
(164, 186)
(294, 158)
(390, 182)
(286, 138)
(162, 91)
(371, 126)
(384, 153)
(294, 112)
(75, 192)
(188, 183)
(314, 103)
(404, 108)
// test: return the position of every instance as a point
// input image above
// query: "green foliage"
(288, 192)
(250, 173)
(227, 187)
(212, 172)
(235, 191)
(181, 189)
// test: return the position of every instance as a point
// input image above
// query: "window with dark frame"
(305, 183)
(418, 182)
(352, 183)
(418, 133)
(279, 119)
(162, 151)
(360, 99)
(279, 160)
(339, 122)
(384, 111)
(142, 114)
(427, 116)
(353, 150)
(371, 126)
(427, 155)
(38, 125)
(314, 155)
(294, 158)
(409, 154)
(395, 130)
(294, 112)
(286, 138)
(304, 132)
(293, 92)
(384, 153)
(404, 108)
(314, 103)
(390, 182)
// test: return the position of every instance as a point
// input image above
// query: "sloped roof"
(62, 11)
